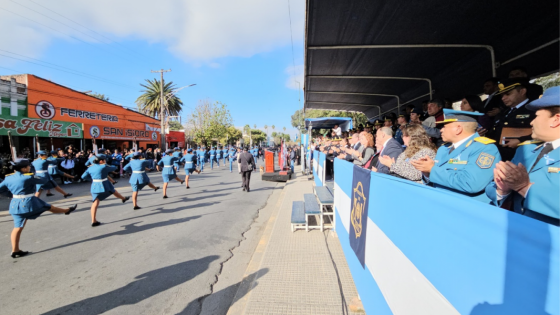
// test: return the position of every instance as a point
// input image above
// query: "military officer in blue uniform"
(213, 157)
(177, 153)
(466, 165)
(201, 154)
(530, 183)
(25, 205)
(54, 171)
(219, 154)
(101, 188)
(190, 165)
(232, 157)
(168, 171)
(139, 179)
(225, 154)
(41, 166)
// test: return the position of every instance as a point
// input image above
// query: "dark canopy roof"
(345, 123)
(508, 29)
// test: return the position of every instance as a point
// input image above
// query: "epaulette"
(27, 174)
(530, 142)
(9, 174)
(484, 140)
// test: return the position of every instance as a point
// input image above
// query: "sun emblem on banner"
(358, 209)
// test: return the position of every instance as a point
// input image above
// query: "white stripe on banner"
(342, 204)
(404, 287)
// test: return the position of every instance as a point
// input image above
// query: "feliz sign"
(31, 127)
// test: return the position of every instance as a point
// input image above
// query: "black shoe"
(182, 182)
(116, 182)
(96, 223)
(243, 188)
(71, 209)
(67, 195)
(248, 190)
(156, 188)
(188, 187)
(164, 197)
(137, 208)
(125, 199)
(50, 195)
(19, 254)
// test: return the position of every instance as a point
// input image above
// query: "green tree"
(258, 135)
(149, 102)
(549, 80)
(232, 135)
(100, 96)
(208, 121)
(175, 125)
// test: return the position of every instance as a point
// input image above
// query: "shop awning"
(370, 55)
(345, 123)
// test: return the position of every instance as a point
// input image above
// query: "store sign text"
(74, 113)
(110, 131)
(40, 127)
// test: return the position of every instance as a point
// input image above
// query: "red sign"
(115, 133)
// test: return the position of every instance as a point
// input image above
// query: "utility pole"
(162, 109)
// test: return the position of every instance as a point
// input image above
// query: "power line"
(110, 40)
(292, 38)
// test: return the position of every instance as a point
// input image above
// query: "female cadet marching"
(25, 205)
(101, 188)
(168, 172)
(54, 171)
(225, 154)
(41, 165)
(190, 165)
(177, 153)
(232, 157)
(139, 179)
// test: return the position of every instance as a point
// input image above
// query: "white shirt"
(458, 144)
(338, 131)
(555, 144)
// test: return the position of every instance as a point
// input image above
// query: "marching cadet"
(255, 153)
(219, 155)
(225, 154)
(41, 165)
(232, 157)
(168, 172)
(101, 188)
(54, 171)
(177, 153)
(25, 205)
(201, 154)
(139, 179)
(213, 158)
(529, 184)
(466, 166)
(93, 157)
(190, 165)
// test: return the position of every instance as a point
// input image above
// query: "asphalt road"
(162, 259)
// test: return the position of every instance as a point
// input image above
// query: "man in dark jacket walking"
(247, 165)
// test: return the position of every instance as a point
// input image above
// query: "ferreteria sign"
(30, 127)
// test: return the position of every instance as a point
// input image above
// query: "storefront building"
(109, 125)
(175, 139)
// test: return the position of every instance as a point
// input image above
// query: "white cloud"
(194, 30)
(295, 76)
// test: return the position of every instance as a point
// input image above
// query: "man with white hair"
(390, 147)
(466, 166)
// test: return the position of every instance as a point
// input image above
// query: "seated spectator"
(529, 184)
(435, 109)
(425, 113)
(401, 122)
(418, 145)
(389, 147)
(466, 166)
(472, 103)
(354, 146)
(360, 157)
(410, 108)
(493, 104)
(415, 116)
(534, 91)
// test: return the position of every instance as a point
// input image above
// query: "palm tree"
(149, 102)
(255, 126)
(284, 129)
(272, 127)
(266, 130)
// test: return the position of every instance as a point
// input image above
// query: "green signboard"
(23, 126)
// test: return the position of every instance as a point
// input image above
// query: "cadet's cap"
(169, 151)
(21, 164)
(137, 154)
(101, 157)
(417, 111)
(53, 152)
(177, 149)
(369, 125)
(451, 115)
(189, 150)
(378, 122)
(42, 152)
(511, 84)
(550, 98)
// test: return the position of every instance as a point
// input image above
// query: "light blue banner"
(443, 253)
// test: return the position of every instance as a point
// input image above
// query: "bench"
(299, 219)
(312, 208)
(325, 198)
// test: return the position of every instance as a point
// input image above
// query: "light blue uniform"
(168, 168)
(90, 161)
(42, 170)
(201, 154)
(213, 158)
(232, 157)
(542, 197)
(177, 163)
(225, 154)
(139, 179)
(190, 163)
(24, 204)
(53, 167)
(101, 187)
(468, 169)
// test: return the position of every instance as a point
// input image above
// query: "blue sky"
(236, 53)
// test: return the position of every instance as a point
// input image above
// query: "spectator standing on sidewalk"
(67, 166)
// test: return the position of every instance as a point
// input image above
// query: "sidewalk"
(296, 273)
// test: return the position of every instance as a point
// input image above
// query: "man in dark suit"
(247, 165)
(391, 147)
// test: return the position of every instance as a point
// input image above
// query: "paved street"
(162, 259)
